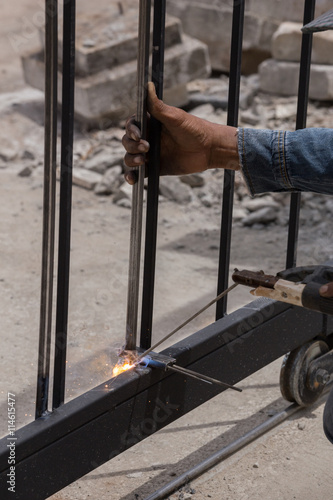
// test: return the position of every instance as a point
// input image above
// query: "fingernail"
(323, 290)
(129, 179)
(138, 161)
(142, 148)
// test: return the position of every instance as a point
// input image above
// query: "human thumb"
(327, 290)
(156, 107)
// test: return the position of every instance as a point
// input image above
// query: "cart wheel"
(294, 373)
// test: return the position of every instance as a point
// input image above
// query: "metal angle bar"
(65, 210)
(50, 159)
(102, 423)
(138, 188)
(224, 453)
(302, 105)
(229, 175)
(153, 178)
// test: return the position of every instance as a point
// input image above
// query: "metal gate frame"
(61, 446)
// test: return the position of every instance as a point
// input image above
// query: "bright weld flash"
(120, 368)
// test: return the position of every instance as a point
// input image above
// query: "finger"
(326, 290)
(134, 160)
(168, 115)
(135, 147)
(132, 129)
(131, 177)
(156, 107)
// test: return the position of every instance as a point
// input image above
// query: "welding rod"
(153, 347)
(138, 188)
(200, 376)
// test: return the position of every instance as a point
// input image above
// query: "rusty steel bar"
(50, 154)
(138, 188)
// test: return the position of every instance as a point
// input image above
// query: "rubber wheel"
(294, 373)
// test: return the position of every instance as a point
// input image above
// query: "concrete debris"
(7, 154)
(85, 178)
(173, 189)
(26, 171)
(124, 202)
(258, 203)
(281, 78)
(239, 213)
(125, 191)
(262, 216)
(103, 159)
(107, 67)
(111, 181)
(193, 180)
(26, 155)
(287, 41)
(99, 159)
(261, 21)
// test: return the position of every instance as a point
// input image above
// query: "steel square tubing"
(83, 434)
(229, 175)
(65, 209)
(302, 107)
(153, 179)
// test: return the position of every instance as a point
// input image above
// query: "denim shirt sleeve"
(276, 160)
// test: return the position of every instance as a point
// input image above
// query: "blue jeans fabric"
(276, 160)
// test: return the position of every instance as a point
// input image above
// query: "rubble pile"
(99, 166)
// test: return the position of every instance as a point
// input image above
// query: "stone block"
(105, 40)
(287, 40)
(281, 78)
(285, 10)
(110, 95)
(85, 178)
(197, 16)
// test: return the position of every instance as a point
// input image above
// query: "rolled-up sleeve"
(276, 160)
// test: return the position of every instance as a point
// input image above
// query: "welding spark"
(120, 368)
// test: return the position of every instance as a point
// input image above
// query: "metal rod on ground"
(138, 188)
(229, 175)
(153, 179)
(224, 453)
(186, 322)
(302, 106)
(200, 376)
(65, 208)
(50, 158)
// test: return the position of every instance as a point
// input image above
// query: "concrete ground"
(290, 462)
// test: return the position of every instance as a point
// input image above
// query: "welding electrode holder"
(297, 285)
(314, 277)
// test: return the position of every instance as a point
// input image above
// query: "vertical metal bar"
(65, 210)
(50, 154)
(137, 196)
(302, 104)
(153, 178)
(229, 175)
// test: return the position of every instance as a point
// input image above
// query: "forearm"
(287, 161)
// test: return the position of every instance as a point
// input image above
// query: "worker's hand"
(188, 144)
(326, 290)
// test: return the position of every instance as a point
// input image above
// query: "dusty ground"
(292, 462)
